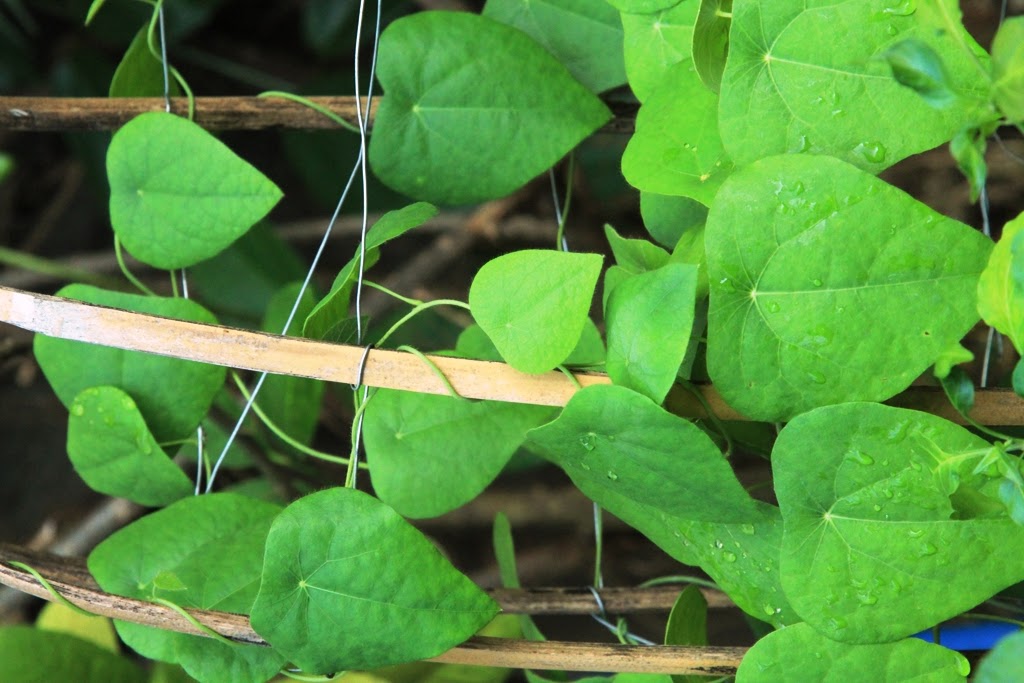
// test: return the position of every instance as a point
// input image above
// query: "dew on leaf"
(78, 410)
(872, 152)
(612, 476)
(876, 507)
(588, 441)
(861, 458)
(816, 377)
(729, 557)
(748, 529)
(928, 549)
(902, 8)
(867, 599)
(816, 282)
(772, 306)
(719, 545)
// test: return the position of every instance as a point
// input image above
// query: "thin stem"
(572, 378)
(312, 105)
(50, 589)
(192, 620)
(127, 273)
(433, 367)
(357, 435)
(419, 309)
(381, 288)
(174, 284)
(666, 580)
(598, 546)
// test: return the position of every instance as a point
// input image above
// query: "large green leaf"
(790, 86)
(114, 452)
(445, 73)
(655, 40)
(830, 285)
(635, 255)
(430, 454)
(1005, 663)
(177, 194)
(1001, 286)
(1008, 68)
(663, 475)
(888, 530)
(172, 395)
(798, 653)
(582, 34)
(203, 552)
(649, 319)
(533, 304)
(140, 74)
(676, 149)
(331, 312)
(349, 584)
(32, 655)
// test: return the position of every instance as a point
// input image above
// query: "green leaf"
(474, 343)
(177, 194)
(797, 654)
(430, 454)
(29, 654)
(58, 618)
(114, 452)
(688, 625)
(959, 388)
(968, 149)
(830, 285)
(916, 65)
(649, 319)
(887, 528)
(1017, 380)
(790, 86)
(636, 256)
(1008, 69)
(1001, 287)
(642, 6)
(533, 304)
(690, 250)
(655, 40)
(140, 74)
(582, 34)
(292, 403)
(1005, 663)
(172, 395)
(668, 218)
(6, 166)
(676, 149)
(445, 73)
(711, 41)
(348, 584)
(331, 313)
(211, 545)
(505, 554)
(664, 476)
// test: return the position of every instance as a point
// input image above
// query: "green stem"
(57, 597)
(360, 404)
(127, 273)
(572, 378)
(665, 580)
(436, 370)
(310, 678)
(416, 311)
(560, 236)
(36, 264)
(312, 105)
(396, 295)
(192, 620)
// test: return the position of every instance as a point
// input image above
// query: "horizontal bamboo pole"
(259, 351)
(70, 578)
(60, 114)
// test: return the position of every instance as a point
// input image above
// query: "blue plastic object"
(970, 635)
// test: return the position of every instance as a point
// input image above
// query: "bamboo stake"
(70, 578)
(61, 114)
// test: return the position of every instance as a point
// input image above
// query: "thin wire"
(1009, 152)
(558, 207)
(163, 58)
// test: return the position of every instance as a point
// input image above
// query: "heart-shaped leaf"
(443, 76)
(888, 527)
(177, 194)
(349, 584)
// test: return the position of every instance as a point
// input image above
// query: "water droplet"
(109, 420)
(928, 549)
(891, 30)
(127, 403)
(867, 599)
(871, 152)
(861, 458)
(585, 467)
(837, 624)
(915, 533)
(719, 545)
(903, 8)
(816, 282)
(588, 441)
(613, 476)
(769, 610)
(142, 442)
(729, 557)
(876, 507)
(748, 529)
(888, 493)
(78, 410)
(915, 465)
(816, 377)
(805, 144)
(772, 306)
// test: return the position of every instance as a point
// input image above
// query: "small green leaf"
(97, 630)
(668, 218)
(331, 313)
(1008, 68)
(688, 625)
(950, 358)
(505, 554)
(1018, 378)
(114, 452)
(676, 149)
(636, 256)
(968, 149)
(6, 165)
(582, 34)
(959, 388)
(172, 395)
(798, 653)
(711, 41)
(443, 76)
(140, 74)
(1005, 663)
(1001, 287)
(649, 319)
(830, 285)
(94, 7)
(348, 584)
(206, 552)
(654, 41)
(177, 194)
(533, 304)
(916, 65)
(29, 654)
(431, 454)
(888, 528)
